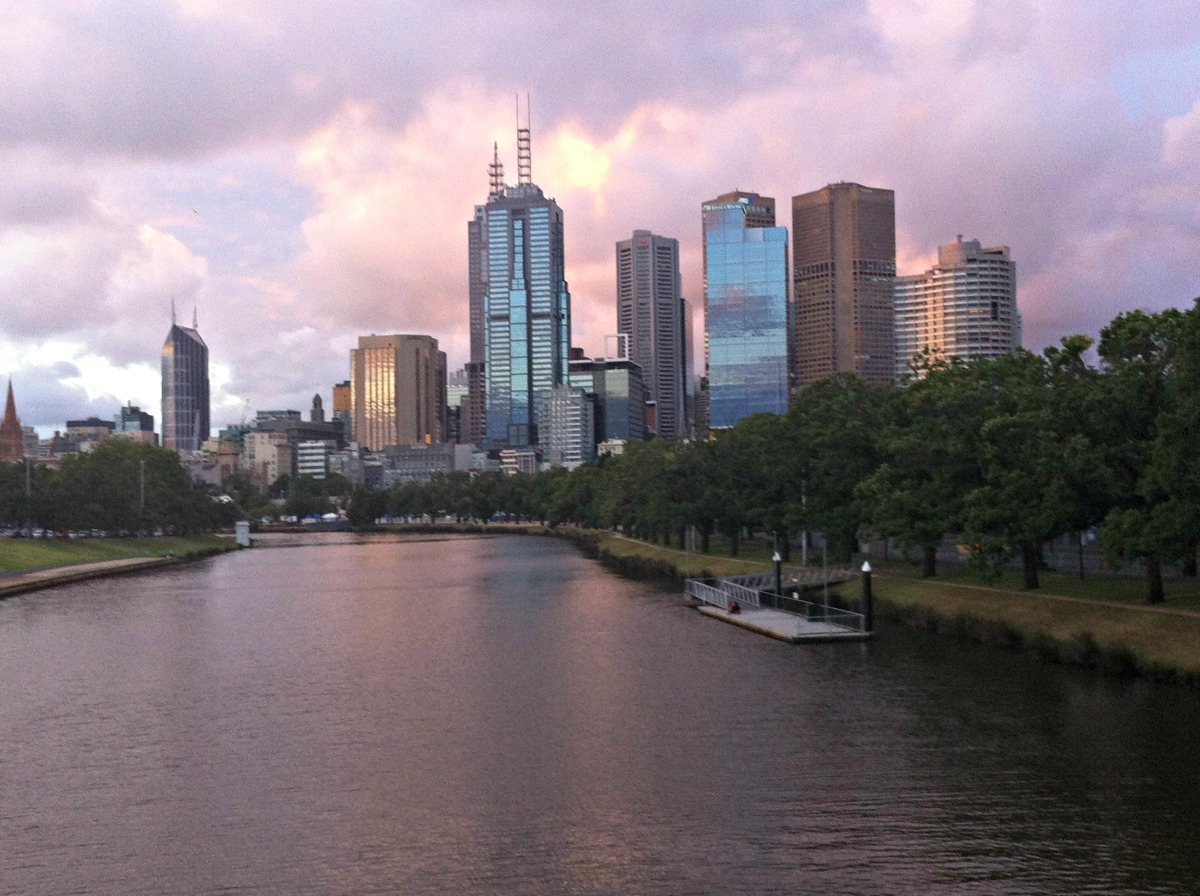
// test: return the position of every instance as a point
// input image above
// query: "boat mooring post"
(868, 601)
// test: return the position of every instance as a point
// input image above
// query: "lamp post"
(868, 602)
(778, 579)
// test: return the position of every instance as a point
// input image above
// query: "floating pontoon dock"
(792, 619)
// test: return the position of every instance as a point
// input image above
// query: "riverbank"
(33, 564)
(1110, 630)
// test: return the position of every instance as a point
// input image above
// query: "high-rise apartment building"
(185, 401)
(843, 268)
(397, 391)
(965, 307)
(652, 312)
(747, 315)
(520, 307)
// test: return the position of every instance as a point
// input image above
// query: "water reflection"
(486, 715)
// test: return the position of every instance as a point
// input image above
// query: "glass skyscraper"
(520, 304)
(747, 314)
(185, 403)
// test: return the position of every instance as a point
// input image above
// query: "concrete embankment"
(20, 583)
(50, 577)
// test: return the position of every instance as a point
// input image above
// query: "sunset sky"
(299, 173)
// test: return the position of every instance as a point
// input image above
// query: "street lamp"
(868, 602)
(778, 578)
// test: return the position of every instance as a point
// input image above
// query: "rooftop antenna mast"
(172, 311)
(524, 154)
(195, 318)
(496, 173)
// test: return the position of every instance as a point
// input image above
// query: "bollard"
(868, 601)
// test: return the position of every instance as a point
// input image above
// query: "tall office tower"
(185, 408)
(652, 313)
(844, 265)
(12, 437)
(965, 307)
(341, 407)
(747, 315)
(397, 391)
(519, 304)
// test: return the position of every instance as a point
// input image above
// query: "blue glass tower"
(521, 307)
(747, 313)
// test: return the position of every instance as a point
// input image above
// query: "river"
(500, 715)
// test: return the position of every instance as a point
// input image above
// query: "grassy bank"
(21, 554)
(1099, 623)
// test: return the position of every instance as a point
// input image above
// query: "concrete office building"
(652, 313)
(397, 391)
(185, 401)
(520, 307)
(843, 269)
(964, 307)
(746, 309)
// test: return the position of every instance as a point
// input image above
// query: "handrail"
(719, 593)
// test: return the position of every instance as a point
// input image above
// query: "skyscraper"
(651, 311)
(746, 308)
(844, 264)
(965, 307)
(185, 403)
(397, 391)
(520, 307)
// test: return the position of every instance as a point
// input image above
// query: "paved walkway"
(785, 626)
(35, 580)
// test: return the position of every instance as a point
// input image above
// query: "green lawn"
(17, 554)
(1182, 594)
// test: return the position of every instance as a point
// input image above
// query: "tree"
(834, 423)
(1038, 462)
(1152, 378)
(929, 442)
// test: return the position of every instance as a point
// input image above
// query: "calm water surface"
(499, 715)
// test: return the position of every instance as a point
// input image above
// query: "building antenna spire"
(496, 173)
(172, 311)
(195, 318)
(524, 153)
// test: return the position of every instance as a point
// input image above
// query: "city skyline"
(302, 179)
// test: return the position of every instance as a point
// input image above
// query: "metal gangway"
(780, 615)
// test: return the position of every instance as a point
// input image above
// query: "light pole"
(778, 579)
(868, 601)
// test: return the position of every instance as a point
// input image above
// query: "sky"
(296, 173)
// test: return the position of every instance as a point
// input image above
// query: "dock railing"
(748, 591)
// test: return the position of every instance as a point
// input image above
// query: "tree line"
(1007, 453)
(120, 487)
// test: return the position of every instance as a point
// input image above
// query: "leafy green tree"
(929, 443)
(1038, 461)
(834, 424)
(1151, 366)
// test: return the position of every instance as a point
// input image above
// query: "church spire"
(12, 439)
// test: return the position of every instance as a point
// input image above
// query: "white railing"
(746, 591)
